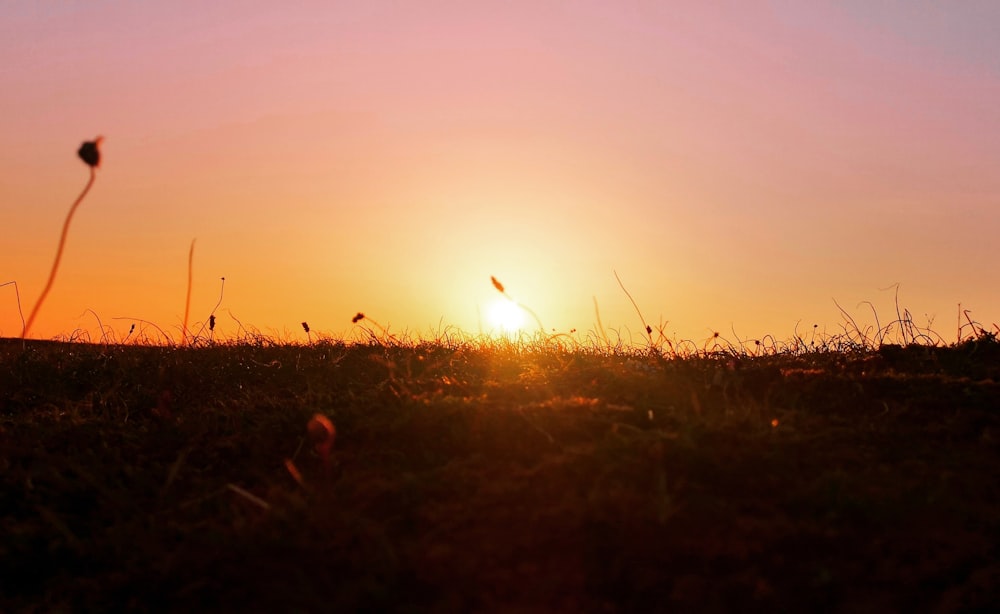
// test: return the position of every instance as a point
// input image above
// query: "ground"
(497, 477)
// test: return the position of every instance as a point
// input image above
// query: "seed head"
(322, 433)
(90, 152)
(305, 327)
(357, 318)
(497, 284)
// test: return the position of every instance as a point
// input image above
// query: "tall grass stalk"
(187, 300)
(600, 326)
(17, 295)
(646, 327)
(501, 290)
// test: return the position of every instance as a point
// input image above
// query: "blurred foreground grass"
(497, 478)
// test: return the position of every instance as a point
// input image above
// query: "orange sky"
(739, 164)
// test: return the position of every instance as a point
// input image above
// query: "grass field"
(497, 477)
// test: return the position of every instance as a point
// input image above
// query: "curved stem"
(59, 251)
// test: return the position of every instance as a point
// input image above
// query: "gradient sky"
(739, 164)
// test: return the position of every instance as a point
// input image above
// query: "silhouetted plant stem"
(59, 252)
(646, 327)
(503, 292)
(211, 316)
(17, 295)
(187, 300)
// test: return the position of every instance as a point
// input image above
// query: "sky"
(739, 165)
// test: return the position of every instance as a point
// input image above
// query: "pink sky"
(739, 164)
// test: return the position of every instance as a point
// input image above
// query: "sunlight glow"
(506, 316)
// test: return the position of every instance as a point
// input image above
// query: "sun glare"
(506, 316)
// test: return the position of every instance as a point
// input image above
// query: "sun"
(505, 315)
